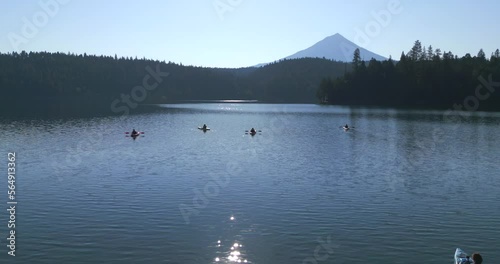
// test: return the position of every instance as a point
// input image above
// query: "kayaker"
(204, 126)
(346, 126)
(134, 132)
(252, 130)
(476, 259)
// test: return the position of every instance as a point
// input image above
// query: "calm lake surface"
(400, 187)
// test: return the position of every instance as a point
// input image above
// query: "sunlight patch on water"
(230, 252)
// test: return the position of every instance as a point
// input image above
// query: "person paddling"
(134, 133)
(204, 126)
(346, 126)
(476, 259)
(253, 131)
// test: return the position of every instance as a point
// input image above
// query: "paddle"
(137, 132)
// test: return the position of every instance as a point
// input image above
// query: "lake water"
(400, 187)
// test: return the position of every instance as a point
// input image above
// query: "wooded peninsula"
(422, 78)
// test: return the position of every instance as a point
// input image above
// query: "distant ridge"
(335, 47)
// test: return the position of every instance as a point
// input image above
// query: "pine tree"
(481, 55)
(438, 54)
(356, 60)
(423, 54)
(430, 52)
(416, 51)
(403, 56)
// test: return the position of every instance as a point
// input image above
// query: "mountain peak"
(336, 35)
(335, 47)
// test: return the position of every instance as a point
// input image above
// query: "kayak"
(204, 129)
(253, 133)
(461, 257)
(134, 135)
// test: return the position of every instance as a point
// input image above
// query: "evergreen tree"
(423, 55)
(430, 52)
(356, 60)
(403, 57)
(448, 55)
(416, 51)
(495, 56)
(481, 55)
(438, 54)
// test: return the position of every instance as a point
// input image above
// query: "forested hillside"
(422, 78)
(35, 81)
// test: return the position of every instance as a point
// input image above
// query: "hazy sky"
(237, 33)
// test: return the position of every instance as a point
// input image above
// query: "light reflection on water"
(234, 254)
(229, 249)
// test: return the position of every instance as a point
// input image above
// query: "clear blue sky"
(248, 32)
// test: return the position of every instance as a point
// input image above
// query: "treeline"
(292, 80)
(422, 78)
(69, 83)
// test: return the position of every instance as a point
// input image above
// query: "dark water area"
(55, 109)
